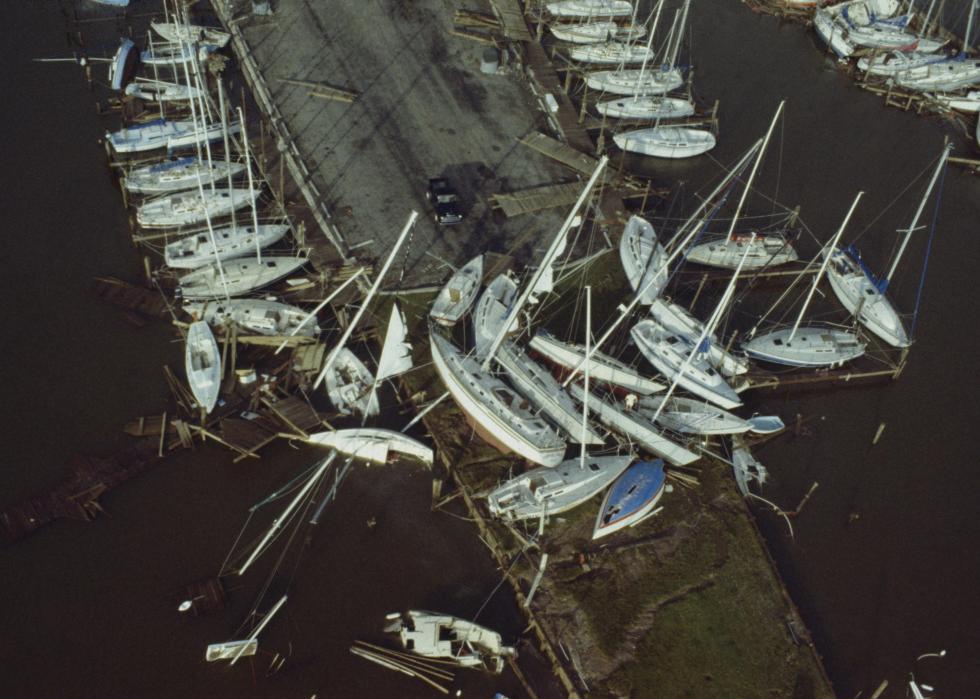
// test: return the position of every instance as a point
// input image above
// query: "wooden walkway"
(511, 18)
(529, 200)
(542, 74)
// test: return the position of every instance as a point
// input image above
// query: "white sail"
(396, 354)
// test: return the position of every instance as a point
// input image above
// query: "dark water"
(89, 610)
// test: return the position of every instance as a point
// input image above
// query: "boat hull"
(809, 347)
(666, 142)
(632, 498)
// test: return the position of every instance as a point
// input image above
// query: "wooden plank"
(511, 19)
(537, 198)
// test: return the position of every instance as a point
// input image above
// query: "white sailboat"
(848, 26)
(690, 416)
(610, 53)
(969, 102)
(170, 54)
(491, 311)
(669, 352)
(545, 393)
(601, 367)
(666, 141)
(188, 208)
(648, 107)
(815, 345)
(637, 428)
(177, 32)
(895, 62)
(202, 362)
(590, 8)
(259, 316)
(951, 73)
(161, 91)
(497, 412)
(676, 319)
(551, 491)
(240, 276)
(177, 174)
(372, 444)
(462, 642)
(633, 81)
(456, 297)
(643, 258)
(862, 294)
(161, 133)
(349, 385)
(202, 248)
(593, 32)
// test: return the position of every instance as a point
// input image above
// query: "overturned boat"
(632, 498)
(372, 444)
(602, 367)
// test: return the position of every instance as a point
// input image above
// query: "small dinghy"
(643, 259)
(434, 635)
(177, 174)
(766, 424)
(611, 53)
(456, 297)
(201, 248)
(632, 498)
(762, 250)
(372, 444)
(189, 208)
(806, 347)
(176, 32)
(497, 412)
(202, 362)
(254, 315)
(349, 385)
(550, 491)
(602, 367)
(238, 276)
(491, 312)
(690, 416)
(670, 352)
(679, 321)
(746, 467)
(123, 65)
(634, 81)
(537, 385)
(646, 107)
(159, 91)
(666, 141)
(590, 8)
(635, 427)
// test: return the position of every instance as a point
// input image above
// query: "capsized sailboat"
(676, 319)
(456, 297)
(372, 444)
(202, 362)
(602, 367)
(433, 635)
(551, 491)
(690, 416)
(643, 259)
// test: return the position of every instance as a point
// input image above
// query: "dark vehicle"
(445, 201)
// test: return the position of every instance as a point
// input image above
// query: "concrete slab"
(424, 110)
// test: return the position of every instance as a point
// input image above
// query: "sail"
(396, 355)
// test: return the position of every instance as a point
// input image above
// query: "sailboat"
(462, 642)
(372, 444)
(123, 64)
(177, 174)
(202, 248)
(491, 311)
(536, 384)
(951, 73)
(456, 297)
(602, 367)
(848, 26)
(162, 133)
(590, 8)
(349, 385)
(632, 498)
(161, 91)
(238, 276)
(497, 412)
(188, 208)
(676, 319)
(861, 293)
(171, 55)
(177, 32)
(637, 428)
(202, 362)
(690, 416)
(815, 345)
(592, 32)
(259, 316)
(643, 258)
(551, 491)
(610, 52)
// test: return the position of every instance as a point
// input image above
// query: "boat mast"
(646, 54)
(755, 168)
(823, 267)
(680, 34)
(278, 522)
(624, 311)
(324, 302)
(224, 136)
(706, 331)
(969, 29)
(585, 395)
(251, 182)
(556, 245)
(374, 288)
(918, 212)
